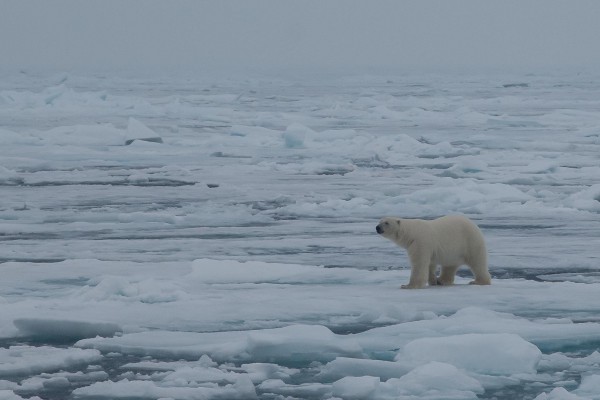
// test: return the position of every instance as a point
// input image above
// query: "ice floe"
(215, 238)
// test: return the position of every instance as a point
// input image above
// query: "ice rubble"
(10, 395)
(295, 135)
(497, 335)
(465, 353)
(349, 361)
(589, 389)
(295, 343)
(125, 389)
(492, 354)
(295, 180)
(590, 386)
(586, 199)
(9, 177)
(105, 134)
(138, 131)
(23, 360)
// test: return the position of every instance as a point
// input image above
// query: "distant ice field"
(197, 238)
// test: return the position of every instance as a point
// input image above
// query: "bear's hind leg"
(484, 279)
(481, 274)
(479, 267)
(447, 275)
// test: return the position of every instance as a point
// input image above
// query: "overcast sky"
(291, 35)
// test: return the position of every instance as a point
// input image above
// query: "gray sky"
(284, 34)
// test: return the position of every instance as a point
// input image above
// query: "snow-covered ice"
(198, 238)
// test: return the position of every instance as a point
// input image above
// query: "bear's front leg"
(433, 279)
(419, 271)
(418, 280)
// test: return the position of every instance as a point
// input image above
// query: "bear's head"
(388, 227)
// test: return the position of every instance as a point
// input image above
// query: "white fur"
(449, 241)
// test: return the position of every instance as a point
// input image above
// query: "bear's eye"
(386, 223)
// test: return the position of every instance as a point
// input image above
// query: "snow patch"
(123, 288)
(492, 354)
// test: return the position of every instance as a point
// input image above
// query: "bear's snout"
(379, 229)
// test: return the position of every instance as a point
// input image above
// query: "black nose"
(379, 229)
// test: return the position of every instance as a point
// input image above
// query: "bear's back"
(458, 227)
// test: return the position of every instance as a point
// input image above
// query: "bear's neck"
(401, 237)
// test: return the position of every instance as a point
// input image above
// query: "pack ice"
(204, 238)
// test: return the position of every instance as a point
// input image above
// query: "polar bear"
(449, 241)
